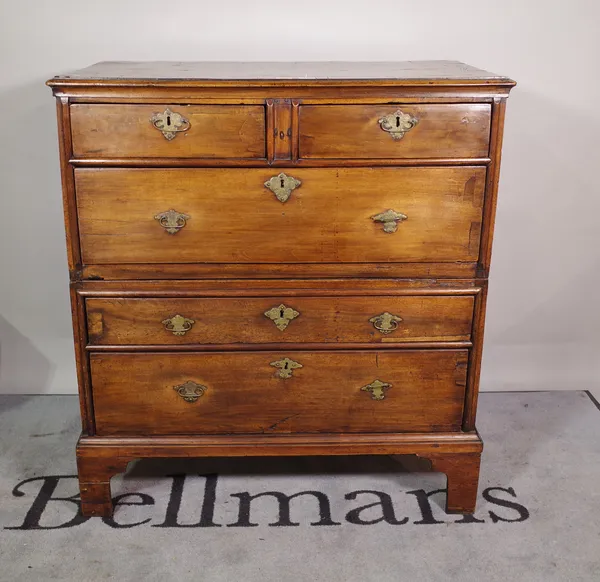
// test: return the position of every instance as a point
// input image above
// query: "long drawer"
(259, 320)
(308, 215)
(278, 392)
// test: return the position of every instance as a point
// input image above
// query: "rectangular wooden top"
(211, 73)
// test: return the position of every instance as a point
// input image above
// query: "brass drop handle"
(285, 367)
(397, 123)
(281, 316)
(170, 123)
(390, 220)
(377, 389)
(172, 221)
(386, 322)
(282, 186)
(190, 391)
(178, 324)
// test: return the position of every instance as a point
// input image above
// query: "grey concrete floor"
(358, 519)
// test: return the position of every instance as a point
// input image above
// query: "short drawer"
(216, 321)
(395, 131)
(216, 215)
(279, 392)
(168, 131)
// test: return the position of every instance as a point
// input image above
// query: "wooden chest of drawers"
(279, 259)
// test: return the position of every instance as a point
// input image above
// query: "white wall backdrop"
(544, 314)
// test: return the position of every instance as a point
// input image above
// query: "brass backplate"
(390, 219)
(170, 123)
(377, 388)
(386, 322)
(285, 367)
(172, 221)
(398, 123)
(178, 324)
(190, 391)
(281, 315)
(282, 186)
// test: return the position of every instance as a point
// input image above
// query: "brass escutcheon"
(172, 221)
(398, 123)
(377, 389)
(190, 391)
(178, 324)
(170, 123)
(282, 186)
(285, 367)
(281, 316)
(390, 220)
(386, 322)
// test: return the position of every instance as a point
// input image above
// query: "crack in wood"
(275, 424)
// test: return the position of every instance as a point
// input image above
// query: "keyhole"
(397, 121)
(287, 365)
(282, 185)
(281, 311)
(168, 120)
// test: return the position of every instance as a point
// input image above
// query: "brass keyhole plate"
(281, 315)
(285, 367)
(397, 123)
(282, 186)
(170, 123)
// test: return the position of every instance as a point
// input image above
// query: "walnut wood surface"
(234, 218)
(241, 320)
(241, 248)
(456, 454)
(219, 71)
(226, 271)
(353, 131)
(134, 393)
(288, 287)
(462, 471)
(122, 131)
(270, 162)
(299, 444)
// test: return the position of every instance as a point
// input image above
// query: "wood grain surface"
(242, 252)
(120, 321)
(234, 218)
(279, 72)
(134, 393)
(353, 131)
(123, 131)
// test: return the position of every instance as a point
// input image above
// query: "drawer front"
(168, 131)
(381, 319)
(279, 392)
(395, 131)
(351, 215)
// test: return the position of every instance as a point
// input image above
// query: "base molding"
(455, 454)
(260, 445)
